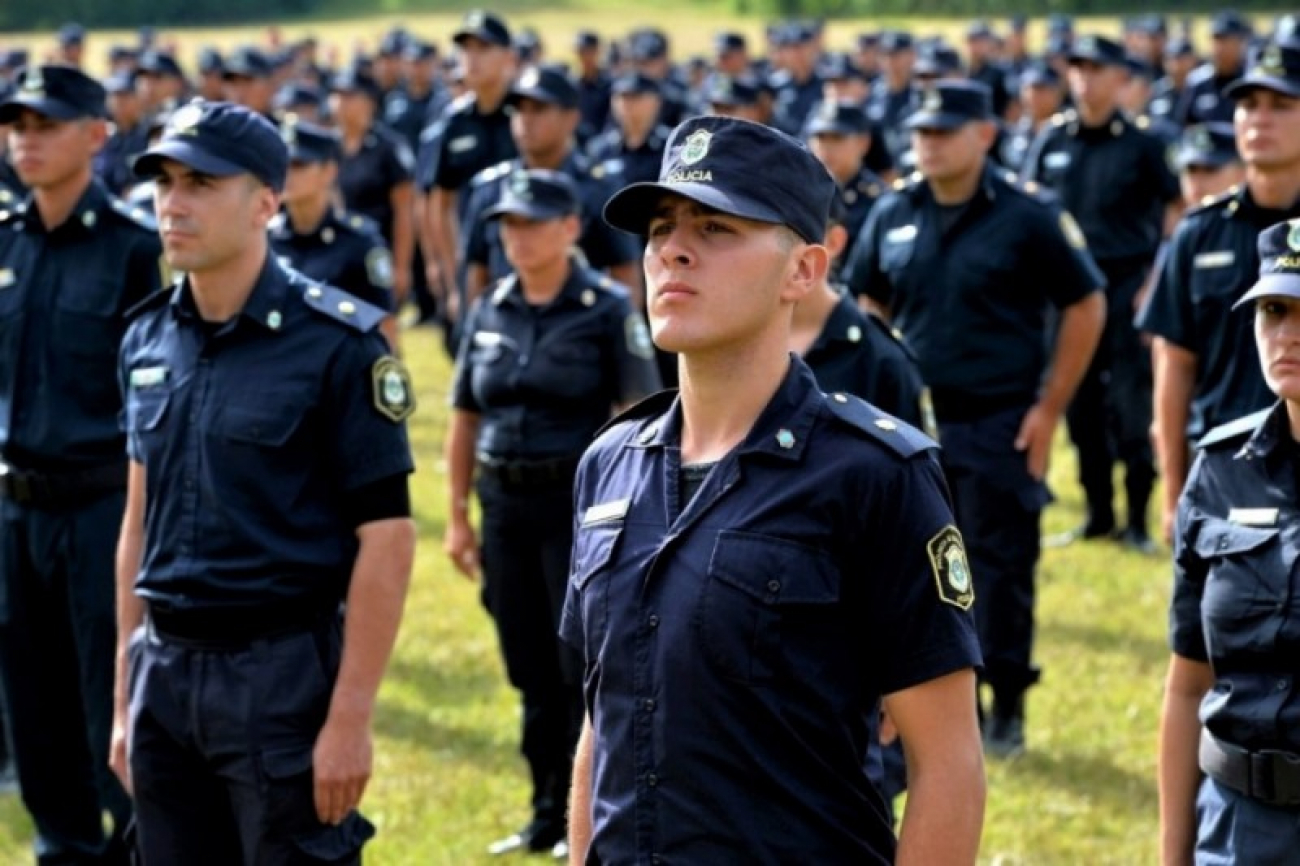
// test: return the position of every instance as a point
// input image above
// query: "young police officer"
(267, 486)
(73, 260)
(756, 562)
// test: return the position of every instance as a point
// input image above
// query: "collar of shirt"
(1243, 205)
(83, 218)
(265, 304)
(511, 293)
(987, 190)
(1265, 441)
(843, 325)
(782, 429)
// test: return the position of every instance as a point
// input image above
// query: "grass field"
(447, 779)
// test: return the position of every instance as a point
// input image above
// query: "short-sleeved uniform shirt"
(346, 251)
(1202, 99)
(1236, 598)
(252, 433)
(640, 164)
(794, 100)
(545, 379)
(1210, 262)
(972, 301)
(368, 177)
(64, 295)
(736, 648)
(461, 143)
(407, 114)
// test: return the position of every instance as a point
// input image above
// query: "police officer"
(1041, 96)
(1202, 99)
(891, 96)
(797, 84)
(248, 76)
(1205, 372)
(634, 147)
(1207, 161)
(545, 117)
(547, 355)
(735, 97)
(1115, 179)
(968, 266)
(983, 65)
(472, 134)
(1229, 749)
(714, 519)
(268, 485)
(1167, 92)
(316, 237)
(593, 83)
(839, 135)
(129, 135)
(73, 260)
(415, 103)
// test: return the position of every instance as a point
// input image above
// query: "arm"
(1174, 380)
(342, 758)
(443, 233)
(400, 197)
(460, 544)
(1179, 771)
(580, 797)
(476, 280)
(1081, 326)
(945, 770)
(130, 615)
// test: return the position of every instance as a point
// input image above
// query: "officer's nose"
(673, 249)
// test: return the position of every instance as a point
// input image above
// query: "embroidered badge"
(391, 389)
(951, 570)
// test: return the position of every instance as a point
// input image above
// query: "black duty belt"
(1269, 776)
(60, 489)
(236, 628)
(527, 473)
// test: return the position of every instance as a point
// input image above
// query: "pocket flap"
(592, 550)
(145, 408)
(1223, 538)
(286, 762)
(774, 570)
(268, 424)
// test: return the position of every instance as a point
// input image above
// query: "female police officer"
(1235, 619)
(547, 355)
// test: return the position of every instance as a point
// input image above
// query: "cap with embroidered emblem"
(538, 194)
(219, 139)
(547, 84)
(483, 26)
(1091, 48)
(353, 79)
(731, 92)
(1279, 263)
(837, 118)
(736, 167)
(1207, 145)
(951, 105)
(307, 142)
(247, 61)
(633, 83)
(1272, 66)
(58, 92)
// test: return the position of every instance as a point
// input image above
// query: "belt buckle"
(1271, 766)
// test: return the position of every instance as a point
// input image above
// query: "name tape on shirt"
(7, 278)
(1058, 159)
(615, 510)
(900, 235)
(1253, 516)
(462, 144)
(148, 377)
(951, 569)
(1219, 259)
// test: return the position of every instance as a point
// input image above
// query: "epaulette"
(898, 436)
(1061, 118)
(150, 302)
(893, 335)
(1214, 201)
(9, 214)
(137, 215)
(343, 307)
(491, 173)
(1030, 188)
(655, 405)
(1142, 122)
(1234, 432)
(7, 197)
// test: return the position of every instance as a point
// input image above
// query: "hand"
(451, 304)
(461, 546)
(118, 748)
(341, 766)
(401, 286)
(1168, 514)
(1035, 438)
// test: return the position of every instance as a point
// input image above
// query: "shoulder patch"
(379, 267)
(898, 436)
(342, 307)
(391, 390)
(951, 569)
(137, 215)
(1234, 432)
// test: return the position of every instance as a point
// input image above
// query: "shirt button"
(1223, 543)
(650, 705)
(652, 780)
(1281, 685)
(774, 586)
(653, 621)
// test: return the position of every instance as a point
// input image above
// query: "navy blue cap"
(838, 118)
(118, 54)
(737, 167)
(838, 66)
(536, 193)
(1230, 22)
(1207, 145)
(1273, 66)
(528, 43)
(354, 80)
(1279, 263)
(120, 82)
(649, 44)
(1179, 46)
(308, 142)
(1058, 45)
(484, 26)
(1091, 48)
(393, 43)
(937, 60)
(727, 41)
(160, 63)
(419, 49)
(979, 30)
(296, 95)
(635, 82)
(951, 105)
(72, 33)
(1060, 24)
(1139, 67)
(549, 84)
(585, 40)
(247, 61)
(210, 60)
(220, 139)
(733, 92)
(60, 92)
(868, 40)
(896, 40)
(1040, 75)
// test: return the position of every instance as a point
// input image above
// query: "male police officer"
(73, 260)
(736, 631)
(1206, 370)
(968, 266)
(267, 485)
(634, 148)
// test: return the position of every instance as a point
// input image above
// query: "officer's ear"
(266, 203)
(572, 228)
(97, 129)
(837, 238)
(986, 132)
(806, 269)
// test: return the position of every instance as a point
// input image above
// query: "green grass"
(448, 779)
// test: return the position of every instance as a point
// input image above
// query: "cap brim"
(53, 108)
(533, 212)
(1190, 158)
(1247, 83)
(536, 94)
(1271, 285)
(631, 208)
(481, 35)
(1073, 57)
(833, 129)
(149, 164)
(938, 120)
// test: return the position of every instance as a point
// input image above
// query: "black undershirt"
(692, 479)
(385, 499)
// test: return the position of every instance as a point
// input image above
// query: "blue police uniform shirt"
(64, 294)
(546, 379)
(973, 302)
(1114, 179)
(1211, 260)
(604, 246)
(794, 100)
(888, 109)
(860, 194)
(1202, 98)
(113, 162)
(251, 434)
(1165, 99)
(1236, 603)
(407, 114)
(736, 650)
(346, 251)
(367, 178)
(461, 143)
(1016, 143)
(594, 94)
(639, 164)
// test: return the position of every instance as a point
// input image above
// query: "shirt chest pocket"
(593, 551)
(1248, 579)
(1214, 283)
(265, 423)
(769, 609)
(146, 416)
(897, 247)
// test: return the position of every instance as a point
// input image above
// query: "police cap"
(354, 80)
(937, 60)
(648, 44)
(1230, 22)
(1040, 75)
(586, 40)
(837, 118)
(892, 41)
(635, 82)
(120, 82)
(838, 66)
(951, 105)
(736, 167)
(72, 33)
(1179, 46)
(210, 61)
(538, 194)
(247, 61)
(1207, 145)
(160, 63)
(732, 92)
(60, 92)
(1279, 263)
(1272, 66)
(295, 96)
(483, 26)
(219, 139)
(1101, 50)
(548, 84)
(307, 142)
(727, 42)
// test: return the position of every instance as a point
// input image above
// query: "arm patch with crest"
(951, 568)
(391, 389)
